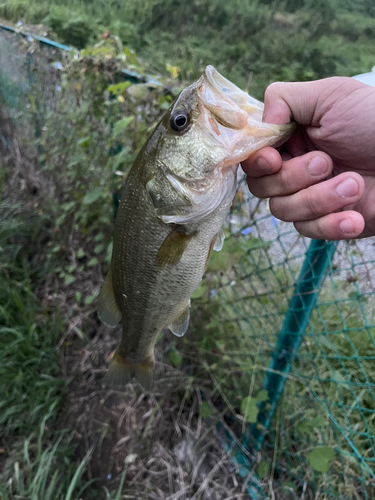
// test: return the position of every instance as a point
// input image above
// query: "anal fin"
(181, 323)
(108, 311)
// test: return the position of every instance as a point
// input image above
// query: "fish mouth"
(235, 118)
(230, 105)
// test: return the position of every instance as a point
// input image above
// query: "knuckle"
(311, 203)
(273, 89)
(286, 182)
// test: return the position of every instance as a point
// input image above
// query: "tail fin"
(121, 371)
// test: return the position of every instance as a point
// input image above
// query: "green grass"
(32, 389)
(30, 382)
(43, 467)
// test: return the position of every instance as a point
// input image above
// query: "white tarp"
(368, 78)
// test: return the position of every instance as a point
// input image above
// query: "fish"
(174, 202)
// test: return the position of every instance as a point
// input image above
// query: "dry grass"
(176, 453)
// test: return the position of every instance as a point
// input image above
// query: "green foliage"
(249, 405)
(321, 458)
(205, 411)
(76, 31)
(309, 425)
(92, 196)
(38, 471)
(30, 383)
(175, 357)
(231, 253)
(86, 144)
(249, 409)
(200, 290)
(263, 469)
(253, 42)
(121, 125)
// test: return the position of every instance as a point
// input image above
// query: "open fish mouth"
(229, 105)
(234, 95)
(236, 118)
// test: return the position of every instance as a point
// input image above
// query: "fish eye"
(179, 121)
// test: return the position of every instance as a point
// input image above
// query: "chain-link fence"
(285, 326)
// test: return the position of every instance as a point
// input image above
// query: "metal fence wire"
(294, 316)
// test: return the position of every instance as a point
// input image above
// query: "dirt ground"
(172, 452)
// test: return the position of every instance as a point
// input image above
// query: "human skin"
(323, 178)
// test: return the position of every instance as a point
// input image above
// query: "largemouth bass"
(174, 202)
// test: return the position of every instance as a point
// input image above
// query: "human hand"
(323, 178)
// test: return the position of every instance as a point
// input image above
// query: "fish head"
(214, 124)
(211, 127)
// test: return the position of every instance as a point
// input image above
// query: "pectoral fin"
(216, 244)
(173, 247)
(210, 248)
(181, 323)
(108, 311)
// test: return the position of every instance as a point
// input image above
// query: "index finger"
(293, 100)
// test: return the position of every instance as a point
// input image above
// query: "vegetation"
(251, 42)
(71, 128)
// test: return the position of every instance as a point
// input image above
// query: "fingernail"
(318, 166)
(264, 166)
(347, 226)
(348, 188)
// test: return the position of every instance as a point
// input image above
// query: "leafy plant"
(320, 458)
(249, 405)
(30, 383)
(36, 471)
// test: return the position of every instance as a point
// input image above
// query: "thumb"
(284, 102)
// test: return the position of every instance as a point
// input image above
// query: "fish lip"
(213, 77)
(228, 104)
(237, 118)
(221, 99)
(219, 85)
(240, 100)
